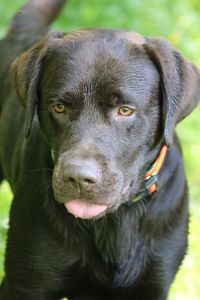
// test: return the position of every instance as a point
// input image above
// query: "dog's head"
(106, 101)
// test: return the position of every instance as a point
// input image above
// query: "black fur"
(132, 250)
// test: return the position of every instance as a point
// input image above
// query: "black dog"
(93, 217)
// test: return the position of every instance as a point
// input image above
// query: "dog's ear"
(180, 83)
(26, 71)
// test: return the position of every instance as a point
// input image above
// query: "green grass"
(5, 200)
(179, 22)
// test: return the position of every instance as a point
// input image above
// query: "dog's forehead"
(110, 38)
(107, 57)
(97, 47)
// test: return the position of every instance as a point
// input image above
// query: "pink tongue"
(84, 210)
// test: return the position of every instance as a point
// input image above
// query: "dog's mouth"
(84, 209)
(81, 208)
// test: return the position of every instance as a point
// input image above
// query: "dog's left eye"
(126, 111)
(59, 108)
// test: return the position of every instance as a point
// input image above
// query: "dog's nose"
(82, 175)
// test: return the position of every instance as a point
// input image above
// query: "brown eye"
(59, 108)
(126, 111)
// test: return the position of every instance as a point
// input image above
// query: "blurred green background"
(179, 22)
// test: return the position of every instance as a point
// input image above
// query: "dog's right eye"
(59, 108)
(126, 111)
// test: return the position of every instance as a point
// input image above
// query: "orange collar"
(151, 176)
(155, 169)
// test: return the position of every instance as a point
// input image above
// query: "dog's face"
(106, 100)
(100, 112)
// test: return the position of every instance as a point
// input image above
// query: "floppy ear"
(26, 71)
(180, 83)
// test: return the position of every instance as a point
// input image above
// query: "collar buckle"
(151, 183)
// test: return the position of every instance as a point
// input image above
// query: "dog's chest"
(110, 257)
